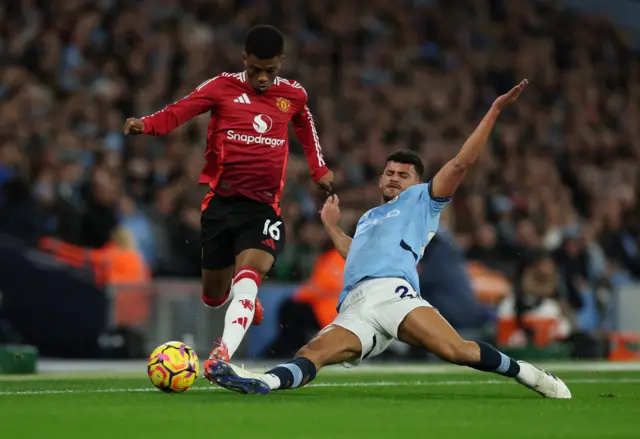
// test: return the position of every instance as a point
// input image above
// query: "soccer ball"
(173, 367)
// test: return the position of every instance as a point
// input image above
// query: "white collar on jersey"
(242, 77)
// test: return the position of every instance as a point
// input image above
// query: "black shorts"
(231, 225)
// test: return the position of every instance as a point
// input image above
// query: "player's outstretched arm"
(330, 215)
(173, 115)
(446, 181)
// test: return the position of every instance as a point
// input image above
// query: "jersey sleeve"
(199, 101)
(307, 134)
(436, 204)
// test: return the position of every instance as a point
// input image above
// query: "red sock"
(216, 303)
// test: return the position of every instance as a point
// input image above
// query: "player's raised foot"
(258, 314)
(218, 354)
(545, 383)
(235, 378)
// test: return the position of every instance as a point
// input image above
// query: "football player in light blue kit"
(381, 301)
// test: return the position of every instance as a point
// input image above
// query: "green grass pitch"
(375, 404)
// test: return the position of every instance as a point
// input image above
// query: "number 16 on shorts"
(271, 231)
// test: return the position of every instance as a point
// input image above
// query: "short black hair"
(264, 42)
(408, 157)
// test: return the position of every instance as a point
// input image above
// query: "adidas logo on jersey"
(242, 99)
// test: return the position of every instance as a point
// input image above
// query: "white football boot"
(545, 383)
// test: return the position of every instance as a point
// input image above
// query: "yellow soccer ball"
(173, 367)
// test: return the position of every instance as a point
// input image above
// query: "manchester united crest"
(283, 104)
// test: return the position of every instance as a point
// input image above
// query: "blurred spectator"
(542, 287)
(486, 248)
(298, 259)
(100, 214)
(572, 265)
(540, 307)
(445, 283)
(20, 215)
(136, 222)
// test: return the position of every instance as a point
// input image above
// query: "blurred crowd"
(552, 203)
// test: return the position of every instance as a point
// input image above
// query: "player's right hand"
(133, 126)
(330, 213)
(325, 182)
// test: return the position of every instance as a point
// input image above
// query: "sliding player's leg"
(425, 327)
(333, 345)
(358, 332)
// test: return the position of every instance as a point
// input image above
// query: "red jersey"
(247, 139)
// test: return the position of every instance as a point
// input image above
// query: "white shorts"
(374, 310)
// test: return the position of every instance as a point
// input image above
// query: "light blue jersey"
(390, 239)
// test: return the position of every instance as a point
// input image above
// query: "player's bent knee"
(215, 299)
(216, 292)
(216, 283)
(255, 259)
(216, 286)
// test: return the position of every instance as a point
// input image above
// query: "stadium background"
(539, 252)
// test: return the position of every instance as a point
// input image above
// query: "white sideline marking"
(352, 384)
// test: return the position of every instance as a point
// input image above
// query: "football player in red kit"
(246, 157)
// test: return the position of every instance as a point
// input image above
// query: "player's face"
(396, 178)
(262, 72)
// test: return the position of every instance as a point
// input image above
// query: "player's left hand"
(511, 96)
(325, 182)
